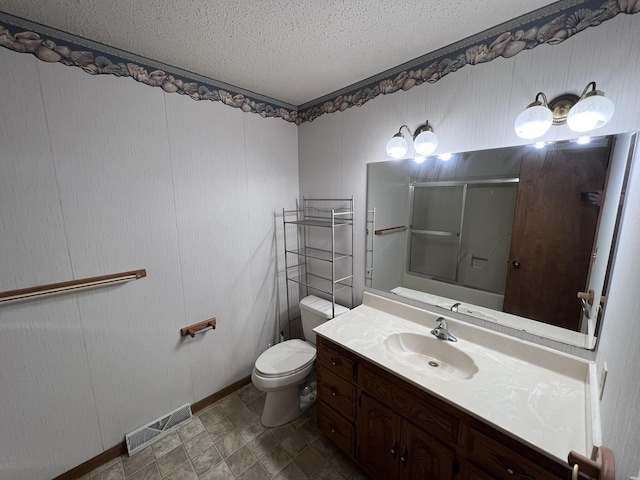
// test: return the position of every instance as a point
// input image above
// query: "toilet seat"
(285, 359)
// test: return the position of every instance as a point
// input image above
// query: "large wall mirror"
(521, 236)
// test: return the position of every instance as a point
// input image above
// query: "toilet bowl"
(284, 369)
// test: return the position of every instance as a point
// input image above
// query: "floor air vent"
(140, 438)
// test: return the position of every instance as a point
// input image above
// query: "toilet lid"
(285, 358)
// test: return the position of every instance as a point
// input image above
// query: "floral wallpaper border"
(549, 25)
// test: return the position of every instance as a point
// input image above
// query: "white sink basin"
(430, 355)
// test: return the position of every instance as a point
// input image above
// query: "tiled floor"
(227, 441)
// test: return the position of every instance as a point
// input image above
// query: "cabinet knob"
(334, 393)
(516, 264)
(404, 457)
(510, 471)
(394, 448)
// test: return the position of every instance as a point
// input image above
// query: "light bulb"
(445, 157)
(590, 113)
(425, 142)
(397, 147)
(533, 122)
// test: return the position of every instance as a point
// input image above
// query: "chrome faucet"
(441, 331)
(454, 307)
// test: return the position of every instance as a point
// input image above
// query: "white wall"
(474, 109)
(100, 175)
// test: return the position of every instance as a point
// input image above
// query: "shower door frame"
(445, 183)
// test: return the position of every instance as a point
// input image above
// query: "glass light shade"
(397, 147)
(533, 122)
(590, 113)
(425, 143)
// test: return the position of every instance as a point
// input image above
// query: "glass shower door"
(436, 229)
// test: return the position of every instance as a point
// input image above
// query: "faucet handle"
(441, 330)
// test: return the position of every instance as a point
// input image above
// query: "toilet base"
(282, 406)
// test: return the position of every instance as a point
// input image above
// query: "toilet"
(284, 369)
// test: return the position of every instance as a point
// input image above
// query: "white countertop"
(539, 396)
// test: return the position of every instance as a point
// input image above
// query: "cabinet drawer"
(336, 362)
(471, 472)
(502, 462)
(337, 393)
(336, 428)
(439, 422)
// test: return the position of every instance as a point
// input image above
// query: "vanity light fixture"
(445, 157)
(535, 120)
(592, 111)
(589, 111)
(424, 142)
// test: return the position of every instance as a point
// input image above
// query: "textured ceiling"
(291, 50)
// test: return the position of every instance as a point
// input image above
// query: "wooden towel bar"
(71, 286)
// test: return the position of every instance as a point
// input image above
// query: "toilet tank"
(314, 311)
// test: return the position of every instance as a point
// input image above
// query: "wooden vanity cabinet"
(395, 430)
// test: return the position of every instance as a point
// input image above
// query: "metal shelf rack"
(321, 261)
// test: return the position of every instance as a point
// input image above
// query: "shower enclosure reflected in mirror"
(508, 234)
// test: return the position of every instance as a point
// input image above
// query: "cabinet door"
(423, 457)
(378, 439)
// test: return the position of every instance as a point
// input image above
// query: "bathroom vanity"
(406, 405)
